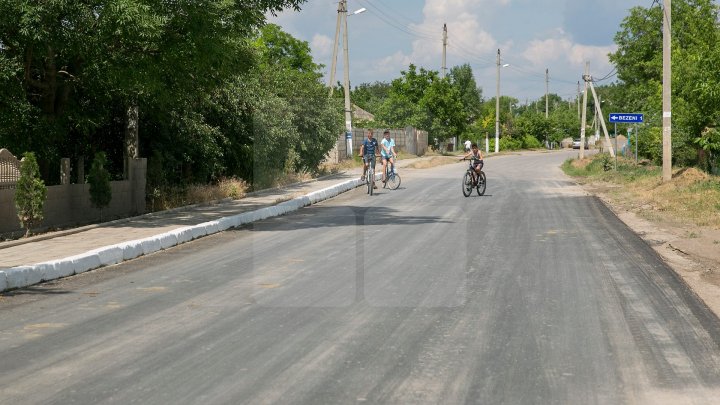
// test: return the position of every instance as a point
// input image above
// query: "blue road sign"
(626, 118)
(348, 135)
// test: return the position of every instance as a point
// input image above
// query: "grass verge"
(692, 196)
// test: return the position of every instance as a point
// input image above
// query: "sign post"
(625, 118)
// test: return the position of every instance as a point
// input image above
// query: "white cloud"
(393, 63)
(565, 53)
(322, 45)
(467, 40)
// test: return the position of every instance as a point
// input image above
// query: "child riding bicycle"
(368, 151)
(476, 158)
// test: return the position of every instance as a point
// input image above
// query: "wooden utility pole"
(667, 92)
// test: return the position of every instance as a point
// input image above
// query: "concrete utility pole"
(578, 99)
(497, 105)
(444, 60)
(333, 68)
(547, 86)
(583, 121)
(667, 92)
(601, 117)
(348, 106)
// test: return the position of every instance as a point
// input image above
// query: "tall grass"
(163, 198)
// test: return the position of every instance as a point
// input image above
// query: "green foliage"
(650, 144)
(69, 70)
(532, 125)
(530, 142)
(370, 97)
(423, 100)
(30, 193)
(696, 68)
(709, 143)
(463, 80)
(99, 180)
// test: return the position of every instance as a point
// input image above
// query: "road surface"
(532, 294)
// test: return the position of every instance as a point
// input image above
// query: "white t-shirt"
(468, 144)
(389, 143)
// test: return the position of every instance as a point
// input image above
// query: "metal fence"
(9, 170)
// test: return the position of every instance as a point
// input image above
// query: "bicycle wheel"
(482, 184)
(467, 184)
(393, 181)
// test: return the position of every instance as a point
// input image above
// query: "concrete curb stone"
(23, 276)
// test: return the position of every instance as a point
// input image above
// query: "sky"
(532, 35)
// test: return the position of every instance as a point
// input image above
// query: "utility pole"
(667, 93)
(547, 81)
(583, 121)
(333, 68)
(444, 60)
(497, 105)
(601, 117)
(348, 106)
(578, 97)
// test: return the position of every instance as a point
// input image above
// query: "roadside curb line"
(23, 276)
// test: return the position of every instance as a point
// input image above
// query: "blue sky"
(560, 35)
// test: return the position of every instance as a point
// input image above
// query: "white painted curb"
(23, 276)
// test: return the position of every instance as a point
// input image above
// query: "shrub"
(531, 142)
(99, 180)
(30, 193)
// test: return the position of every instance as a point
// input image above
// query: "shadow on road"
(324, 217)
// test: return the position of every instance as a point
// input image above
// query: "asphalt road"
(532, 294)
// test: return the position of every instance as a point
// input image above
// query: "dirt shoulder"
(692, 251)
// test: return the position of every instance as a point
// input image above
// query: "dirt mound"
(689, 176)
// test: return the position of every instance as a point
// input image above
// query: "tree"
(30, 193)
(66, 84)
(696, 68)
(423, 100)
(370, 97)
(463, 81)
(99, 180)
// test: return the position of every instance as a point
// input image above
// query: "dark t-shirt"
(369, 146)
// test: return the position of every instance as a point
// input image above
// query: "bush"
(650, 144)
(99, 180)
(30, 193)
(530, 142)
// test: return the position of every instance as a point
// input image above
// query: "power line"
(389, 20)
(395, 15)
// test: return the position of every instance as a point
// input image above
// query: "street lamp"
(342, 20)
(497, 104)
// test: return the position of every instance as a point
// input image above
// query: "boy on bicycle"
(387, 151)
(368, 151)
(476, 158)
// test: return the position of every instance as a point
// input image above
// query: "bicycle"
(392, 179)
(370, 175)
(470, 182)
